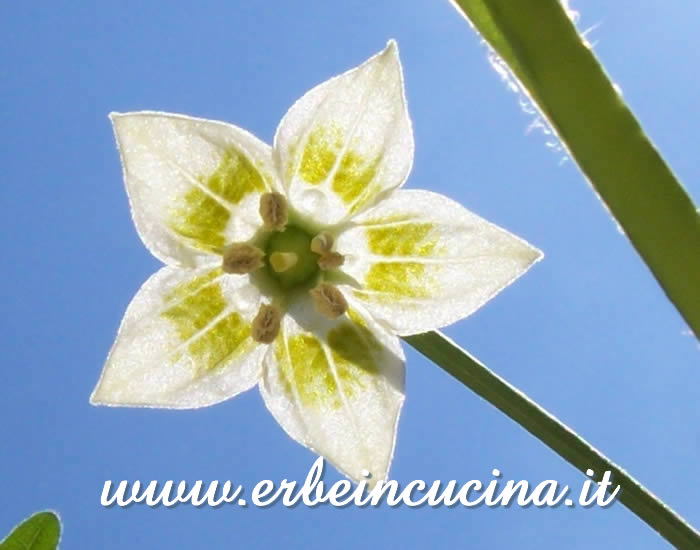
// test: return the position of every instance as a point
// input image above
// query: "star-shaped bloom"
(298, 266)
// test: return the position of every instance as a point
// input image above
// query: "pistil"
(282, 261)
(290, 259)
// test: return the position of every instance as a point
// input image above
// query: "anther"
(331, 260)
(322, 243)
(242, 258)
(282, 261)
(328, 300)
(273, 211)
(266, 324)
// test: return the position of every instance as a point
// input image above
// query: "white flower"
(298, 266)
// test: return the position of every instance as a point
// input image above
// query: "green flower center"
(289, 259)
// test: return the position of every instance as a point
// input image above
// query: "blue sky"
(587, 332)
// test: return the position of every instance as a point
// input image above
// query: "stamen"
(266, 324)
(242, 258)
(282, 261)
(274, 211)
(322, 243)
(331, 260)
(328, 300)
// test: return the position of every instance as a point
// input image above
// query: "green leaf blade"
(555, 434)
(564, 79)
(41, 531)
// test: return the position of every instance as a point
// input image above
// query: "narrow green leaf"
(553, 433)
(39, 532)
(562, 76)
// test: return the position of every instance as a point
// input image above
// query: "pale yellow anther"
(328, 300)
(266, 324)
(331, 260)
(274, 211)
(322, 243)
(282, 261)
(242, 258)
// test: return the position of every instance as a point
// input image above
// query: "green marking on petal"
(410, 239)
(235, 177)
(397, 280)
(200, 217)
(185, 289)
(352, 348)
(307, 370)
(357, 319)
(201, 220)
(361, 326)
(226, 339)
(352, 181)
(320, 153)
(201, 302)
(196, 311)
(353, 178)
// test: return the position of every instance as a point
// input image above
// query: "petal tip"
(534, 255)
(117, 120)
(390, 52)
(94, 401)
(114, 116)
(100, 397)
(97, 400)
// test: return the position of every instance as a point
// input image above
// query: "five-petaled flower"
(298, 266)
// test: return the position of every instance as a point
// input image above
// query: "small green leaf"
(562, 76)
(39, 532)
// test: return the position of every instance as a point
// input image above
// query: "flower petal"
(423, 261)
(193, 184)
(347, 141)
(337, 388)
(184, 342)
